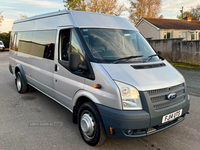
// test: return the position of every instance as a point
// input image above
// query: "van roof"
(79, 19)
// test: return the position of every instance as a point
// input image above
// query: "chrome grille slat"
(159, 98)
(163, 105)
(151, 92)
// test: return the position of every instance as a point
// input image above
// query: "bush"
(5, 37)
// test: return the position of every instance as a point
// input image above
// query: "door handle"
(56, 66)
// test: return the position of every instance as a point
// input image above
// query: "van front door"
(67, 83)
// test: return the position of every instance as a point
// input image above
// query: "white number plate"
(172, 116)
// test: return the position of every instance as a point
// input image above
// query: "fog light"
(130, 132)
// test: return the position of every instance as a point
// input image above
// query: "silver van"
(100, 68)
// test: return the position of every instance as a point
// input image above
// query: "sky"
(11, 9)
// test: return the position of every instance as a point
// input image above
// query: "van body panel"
(45, 23)
(98, 20)
(42, 75)
(145, 79)
(78, 19)
(24, 61)
(109, 94)
(66, 85)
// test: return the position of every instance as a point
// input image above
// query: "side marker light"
(97, 86)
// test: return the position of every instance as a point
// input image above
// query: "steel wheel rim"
(19, 85)
(88, 125)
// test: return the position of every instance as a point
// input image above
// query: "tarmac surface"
(32, 121)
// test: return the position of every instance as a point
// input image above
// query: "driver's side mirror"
(75, 62)
(159, 53)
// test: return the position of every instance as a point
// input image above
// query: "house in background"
(157, 28)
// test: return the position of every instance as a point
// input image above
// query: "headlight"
(130, 97)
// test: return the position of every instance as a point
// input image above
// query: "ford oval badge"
(171, 96)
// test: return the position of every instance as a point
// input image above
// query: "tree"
(193, 12)
(111, 7)
(185, 14)
(144, 8)
(22, 16)
(79, 5)
(1, 18)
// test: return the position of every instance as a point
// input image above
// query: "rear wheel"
(90, 124)
(20, 84)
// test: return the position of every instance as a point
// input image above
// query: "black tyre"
(21, 86)
(30, 88)
(90, 124)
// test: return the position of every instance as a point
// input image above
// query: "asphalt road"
(32, 121)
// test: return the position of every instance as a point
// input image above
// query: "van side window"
(26, 42)
(19, 37)
(76, 46)
(13, 40)
(43, 44)
(64, 44)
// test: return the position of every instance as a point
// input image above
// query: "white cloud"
(7, 7)
(15, 14)
(171, 8)
(44, 3)
(6, 25)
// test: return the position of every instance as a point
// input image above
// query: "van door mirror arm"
(83, 67)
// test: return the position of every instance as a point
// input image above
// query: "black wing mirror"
(75, 62)
(159, 53)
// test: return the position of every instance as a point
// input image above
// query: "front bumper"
(138, 121)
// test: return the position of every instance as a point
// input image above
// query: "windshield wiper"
(149, 58)
(126, 58)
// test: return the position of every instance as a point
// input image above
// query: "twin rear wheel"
(90, 124)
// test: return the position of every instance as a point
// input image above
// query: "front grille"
(159, 98)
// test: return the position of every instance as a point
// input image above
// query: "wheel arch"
(20, 68)
(80, 98)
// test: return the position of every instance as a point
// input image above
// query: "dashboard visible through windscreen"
(109, 45)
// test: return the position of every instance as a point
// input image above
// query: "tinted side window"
(64, 44)
(76, 46)
(11, 40)
(26, 42)
(14, 41)
(43, 44)
(19, 37)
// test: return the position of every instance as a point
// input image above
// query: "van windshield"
(1, 43)
(112, 45)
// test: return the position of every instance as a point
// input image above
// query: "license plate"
(172, 116)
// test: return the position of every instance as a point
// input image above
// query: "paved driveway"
(32, 121)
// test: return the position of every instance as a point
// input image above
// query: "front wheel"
(20, 84)
(90, 124)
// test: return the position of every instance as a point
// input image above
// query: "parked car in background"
(2, 47)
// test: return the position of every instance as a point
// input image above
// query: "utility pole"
(182, 12)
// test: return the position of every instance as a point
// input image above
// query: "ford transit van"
(101, 69)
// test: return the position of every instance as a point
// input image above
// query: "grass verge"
(186, 66)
